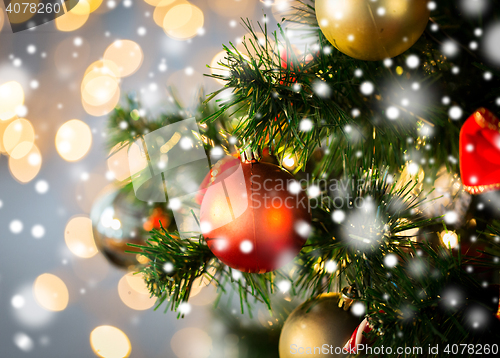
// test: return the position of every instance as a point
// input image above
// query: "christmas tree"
(379, 132)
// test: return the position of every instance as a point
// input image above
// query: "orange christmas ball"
(255, 217)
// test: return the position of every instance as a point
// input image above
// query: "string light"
(449, 239)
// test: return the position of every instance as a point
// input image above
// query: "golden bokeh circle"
(110, 342)
(3, 127)
(75, 18)
(26, 168)
(79, 237)
(51, 292)
(163, 7)
(183, 21)
(100, 68)
(18, 138)
(103, 109)
(232, 8)
(126, 54)
(99, 90)
(11, 97)
(94, 4)
(73, 140)
(134, 293)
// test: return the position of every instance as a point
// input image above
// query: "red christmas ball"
(255, 217)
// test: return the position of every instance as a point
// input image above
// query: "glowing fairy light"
(449, 239)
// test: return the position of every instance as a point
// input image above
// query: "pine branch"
(175, 264)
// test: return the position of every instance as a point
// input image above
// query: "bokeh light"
(100, 87)
(51, 292)
(26, 168)
(103, 109)
(163, 7)
(11, 96)
(99, 90)
(183, 21)
(134, 293)
(18, 138)
(79, 237)
(191, 342)
(232, 8)
(110, 342)
(94, 4)
(101, 68)
(73, 140)
(75, 18)
(126, 54)
(3, 127)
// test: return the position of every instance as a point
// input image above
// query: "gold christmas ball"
(317, 328)
(119, 219)
(372, 30)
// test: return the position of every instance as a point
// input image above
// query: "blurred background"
(59, 295)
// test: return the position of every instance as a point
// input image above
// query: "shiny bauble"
(317, 323)
(372, 30)
(255, 217)
(119, 219)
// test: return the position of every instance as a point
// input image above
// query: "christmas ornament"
(448, 196)
(357, 337)
(316, 325)
(480, 152)
(253, 216)
(372, 31)
(119, 219)
(223, 165)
